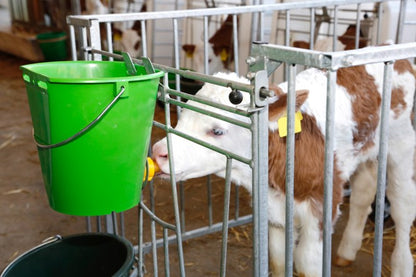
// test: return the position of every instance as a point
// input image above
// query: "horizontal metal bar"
(335, 60)
(203, 143)
(84, 20)
(220, 116)
(147, 247)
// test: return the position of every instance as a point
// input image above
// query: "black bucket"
(91, 254)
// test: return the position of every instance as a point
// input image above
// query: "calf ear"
(189, 49)
(279, 108)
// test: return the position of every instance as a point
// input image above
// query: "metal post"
(382, 167)
(290, 170)
(329, 168)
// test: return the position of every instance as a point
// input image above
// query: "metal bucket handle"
(85, 129)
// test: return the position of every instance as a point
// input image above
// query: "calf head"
(192, 160)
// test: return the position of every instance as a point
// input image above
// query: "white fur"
(191, 160)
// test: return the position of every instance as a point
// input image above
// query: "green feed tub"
(92, 123)
(53, 45)
(85, 255)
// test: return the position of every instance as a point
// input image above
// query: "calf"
(357, 124)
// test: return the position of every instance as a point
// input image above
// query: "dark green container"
(101, 170)
(85, 255)
(53, 45)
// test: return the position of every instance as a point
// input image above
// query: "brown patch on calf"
(278, 108)
(366, 103)
(348, 38)
(309, 166)
(403, 66)
(398, 105)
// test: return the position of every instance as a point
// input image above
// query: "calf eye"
(217, 132)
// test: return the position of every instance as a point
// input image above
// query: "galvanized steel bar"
(206, 64)
(176, 57)
(166, 251)
(73, 42)
(109, 35)
(95, 38)
(328, 173)
(195, 233)
(209, 199)
(382, 167)
(334, 29)
(401, 21)
(182, 204)
(85, 20)
(174, 192)
(236, 45)
(144, 38)
(290, 170)
(225, 218)
(203, 143)
(312, 28)
(358, 26)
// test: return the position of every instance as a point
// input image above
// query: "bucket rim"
(31, 68)
(59, 239)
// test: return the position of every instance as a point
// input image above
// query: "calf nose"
(160, 153)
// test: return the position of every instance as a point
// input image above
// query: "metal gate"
(264, 61)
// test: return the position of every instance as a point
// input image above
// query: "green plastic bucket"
(91, 254)
(53, 45)
(92, 123)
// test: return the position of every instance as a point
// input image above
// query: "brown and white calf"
(357, 124)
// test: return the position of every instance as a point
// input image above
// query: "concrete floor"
(26, 219)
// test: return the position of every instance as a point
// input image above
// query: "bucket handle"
(85, 129)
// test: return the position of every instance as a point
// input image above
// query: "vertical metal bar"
(114, 221)
(382, 166)
(227, 191)
(73, 42)
(99, 223)
(144, 38)
(312, 29)
(166, 251)
(328, 174)
(261, 27)
(206, 64)
(153, 231)
(182, 204)
(88, 222)
(176, 57)
(173, 186)
(287, 26)
(95, 38)
(122, 227)
(140, 261)
(109, 39)
(287, 39)
(400, 24)
(357, 24)
(84, 42)
(237, 203)
(290, 170)
(334, 30)
(236, 45)
(109, 224)
(380, 19)
(209, 199)
(260, 183)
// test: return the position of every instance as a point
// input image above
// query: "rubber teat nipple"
(153, 169)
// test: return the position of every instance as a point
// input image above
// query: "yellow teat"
(153, 169)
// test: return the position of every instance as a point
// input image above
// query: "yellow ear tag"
(189, 54)
(117, 37)
(224, 55)
(282, 124)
